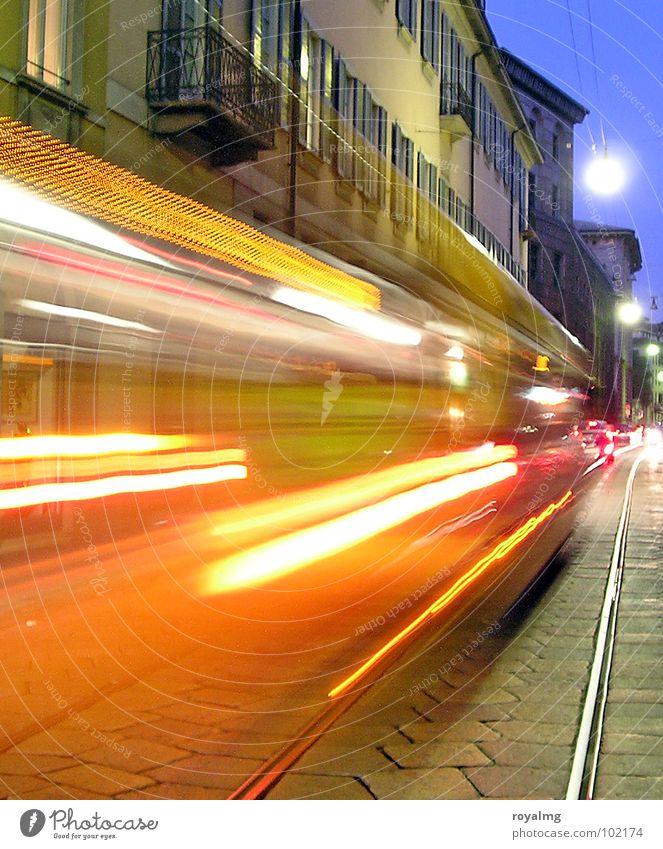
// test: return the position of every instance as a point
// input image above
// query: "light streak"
(85, 315)
(59, 467)
(368, 323)
(85, 184)
(498, 553)
(52, 493)
(293, 551)
(333, 499)
(546, 395)
(37, 447)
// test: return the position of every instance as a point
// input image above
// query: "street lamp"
(652, 350)
(604, 175)
(629, 312)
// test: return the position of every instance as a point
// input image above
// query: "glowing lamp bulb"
(629, 312)
(604, 175)
(652, 350)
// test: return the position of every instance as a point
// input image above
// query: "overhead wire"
(576, 54)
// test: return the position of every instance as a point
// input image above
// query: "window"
(422, 173)
(47, 48)
(265, 32)
(558, 268)
(402, 152)
(555, 147)
(532, 191)
(430, 32)
(554, 205)
(534, 262)
(406, 12)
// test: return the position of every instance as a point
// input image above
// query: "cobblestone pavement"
(498, 717)
(489, 711)
(631, 763)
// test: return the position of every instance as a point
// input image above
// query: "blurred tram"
(321, 453)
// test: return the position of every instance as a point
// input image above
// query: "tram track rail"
(586, 755)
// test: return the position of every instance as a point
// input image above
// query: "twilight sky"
(618, 76)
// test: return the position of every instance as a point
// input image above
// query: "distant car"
(598, 434)
(591, 429)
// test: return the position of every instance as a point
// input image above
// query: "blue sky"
(618, 76)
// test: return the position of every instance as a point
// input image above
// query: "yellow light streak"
(332, 499)
(498, 553)
(93, 187)
(293, 551)
(36, 447)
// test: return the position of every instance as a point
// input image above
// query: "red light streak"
(498, 553)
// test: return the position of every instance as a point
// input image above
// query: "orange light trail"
(498, 553)
(36, 447)
(293, 551)
(341, 497)
(59, 467)
(51, 493)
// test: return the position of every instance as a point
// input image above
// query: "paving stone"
(633, 695)
(562, 668)
(105, 717)
(543, 733)
(547, 693)
(42, 789)
(200, 714)
(482, 696)
(174, 791)
(338, 759)
(462, 731)
(206, 771)
(634, 710)
(421, 784)
(636, 744)
(295, 786)
(631, 765)
(134, 754)
(450, 712)
(521, 782)
(436, 753)
(545, 712)
(176, 730)
(103, 780)
(15, 762)
(510, 753)
(617, 787)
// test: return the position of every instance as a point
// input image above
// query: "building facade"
(563, 272)
(617, 250)
(394, 142)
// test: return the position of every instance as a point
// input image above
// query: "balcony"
(456, 110)
(199, 82)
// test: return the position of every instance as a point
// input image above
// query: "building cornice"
(606, 232)
(530, 82)
(486, 46)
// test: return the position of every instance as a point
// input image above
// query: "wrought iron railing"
(199, 66)
(455, 100)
